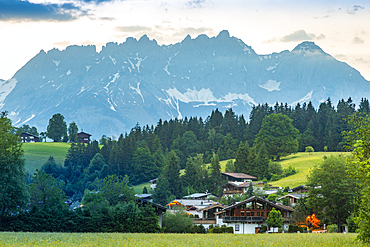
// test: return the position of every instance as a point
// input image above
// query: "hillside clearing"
(37, 153)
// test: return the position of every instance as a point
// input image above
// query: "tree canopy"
(359, 168)
(278, 136)
(57, 128)
(332, 191)
(12, 169)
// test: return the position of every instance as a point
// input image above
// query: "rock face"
(108, 92)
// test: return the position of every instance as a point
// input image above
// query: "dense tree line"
(145, 152)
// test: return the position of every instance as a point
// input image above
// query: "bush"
(263, 229)
(309, 149)
(332, 228)
(292, 228)
(222, 229)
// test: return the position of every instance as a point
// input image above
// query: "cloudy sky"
(340, 27)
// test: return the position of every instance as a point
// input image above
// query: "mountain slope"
(108, 92)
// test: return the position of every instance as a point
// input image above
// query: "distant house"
(27, 137)
(293, 198)
(231, 188)
(147, 197)
(201, 196)
(153, 183)
(208, 216)
(83, 137)
(237, 177)
(298, 189)
(249, 215)
(191, 206)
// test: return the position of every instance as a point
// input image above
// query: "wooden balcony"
(204, 221)
(228, 219)
(232, 192)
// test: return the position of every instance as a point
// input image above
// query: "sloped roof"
(238, 175)
(237, 184)
(83, 133)
(255, 198)
(216, 205)
(297, 196)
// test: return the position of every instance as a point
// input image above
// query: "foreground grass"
(137, 239)
(36, 154)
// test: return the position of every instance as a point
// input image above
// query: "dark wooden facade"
(27, 137)
(254, 209)
(83, 137)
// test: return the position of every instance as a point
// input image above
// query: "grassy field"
(36, 154)
(137, 239)
(303, 163)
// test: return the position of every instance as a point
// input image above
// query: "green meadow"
(140, 239)
(36, 154)
(303, 163)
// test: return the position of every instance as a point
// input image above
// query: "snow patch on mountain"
(234, 96)
(87, 68)
(111, 106)
(192, 95)
(5, 88)
(306, 98)
(56, 62)
(137, 90)
(69, 72)
(271, 85)
(113, 60)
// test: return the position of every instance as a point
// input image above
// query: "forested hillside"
(161, 151)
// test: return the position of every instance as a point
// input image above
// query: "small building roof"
(83, 133)
(237, 184)
(215, 205)
(197, 195)
(28, 134)
(296, 196)
(238, 175)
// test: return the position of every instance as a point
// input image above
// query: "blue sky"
(341, 28)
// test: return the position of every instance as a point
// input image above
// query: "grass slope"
(36, 154)
(303, 163)
(140, 239)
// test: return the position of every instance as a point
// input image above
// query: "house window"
(242, 213)
(263, 214)
(248, 213)
(252, 213)
(249, 205)
(260, 205)
(258, 214)
(237, 227)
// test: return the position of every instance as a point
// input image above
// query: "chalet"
(293, 198)
(83, 137)
(249, 215)
(298, 189)
(231, 188)
(27, 137)
(208, 216)
(191, 206)
(153, 183)
(237, 177)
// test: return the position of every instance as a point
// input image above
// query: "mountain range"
(139, 81)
